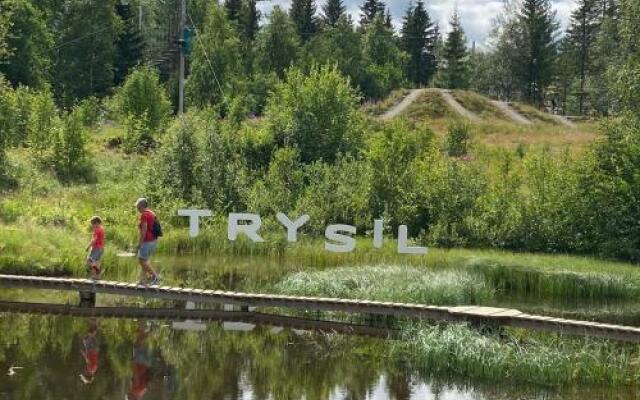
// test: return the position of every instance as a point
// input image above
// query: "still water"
(62, 357)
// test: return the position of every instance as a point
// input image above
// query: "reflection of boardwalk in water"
(228, 318)
(474, 314)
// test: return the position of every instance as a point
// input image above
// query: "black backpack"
(157, 228)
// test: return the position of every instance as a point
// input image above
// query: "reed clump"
(390, 283)
(542, 359)
(563, 284)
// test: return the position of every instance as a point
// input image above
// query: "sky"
(476, 14)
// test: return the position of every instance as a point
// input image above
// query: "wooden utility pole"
(183, 21)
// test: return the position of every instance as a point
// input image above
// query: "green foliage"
(216, 61)
(538, 26)
(142, 105)
(395, 155)
(315, 113)
(129, 46)
(418, 39)
(70, 158)
(338, 45)
(7, 127)
(278, 44)
(608, 188)
(90, 111)
(384, 61)
(282, 184)
(458, 137)
(332, 11)
(223, 176)
(456, 69)
(370, 10)
(303, 15)
(338, 193)
(7, 115)
(173, 172)
(30, 41)
(86, 47)
(43, 123)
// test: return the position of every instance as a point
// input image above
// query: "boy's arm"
(92, 242)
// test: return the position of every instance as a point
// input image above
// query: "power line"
(206, 55)
(104, 28)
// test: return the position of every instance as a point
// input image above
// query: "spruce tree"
(129, 45)
(582, 34)
(84, 57)
(303, 15)
(250, 20)
(418, 39)
(278, 43)
(388, 19)
(537, 27)
(332, 11)
(369, 10)
(233, 9)
(456, 69)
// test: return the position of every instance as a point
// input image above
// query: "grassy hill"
(493, 128)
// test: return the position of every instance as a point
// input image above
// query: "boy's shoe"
(155, 281)
(142, 282)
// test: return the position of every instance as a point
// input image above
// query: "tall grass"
(478, 104)
(511, 279)
(543, 359)
(390, 283)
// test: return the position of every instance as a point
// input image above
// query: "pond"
(72, 357)
(61, 357)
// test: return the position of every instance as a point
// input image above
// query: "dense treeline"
(82, 49)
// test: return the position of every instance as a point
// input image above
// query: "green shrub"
(43, 123)
(70, 157)
(90, 111)
(458, 137)
(608, 190)
(175, 166)
(281, 186)
(143, 101)
(318, 114)
(337, 193)
(7, 121)
(395, 157)
(223, 176)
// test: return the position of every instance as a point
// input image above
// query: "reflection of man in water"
(140, 365)
(90, 352)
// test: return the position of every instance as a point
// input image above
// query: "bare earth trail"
(457, 107)
(400, 107)
(511, 113)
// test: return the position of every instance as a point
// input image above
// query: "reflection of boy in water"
(140, 364)
(90, 352)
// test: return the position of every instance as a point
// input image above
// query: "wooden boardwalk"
(473, 314)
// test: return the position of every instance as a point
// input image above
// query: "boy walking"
(95, 247)
(147, 242)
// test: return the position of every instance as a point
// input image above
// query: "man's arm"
(143, 231)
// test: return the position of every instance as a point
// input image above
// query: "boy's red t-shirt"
(149, 217)
(98, 237)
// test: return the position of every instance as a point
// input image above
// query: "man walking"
(147, 242)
